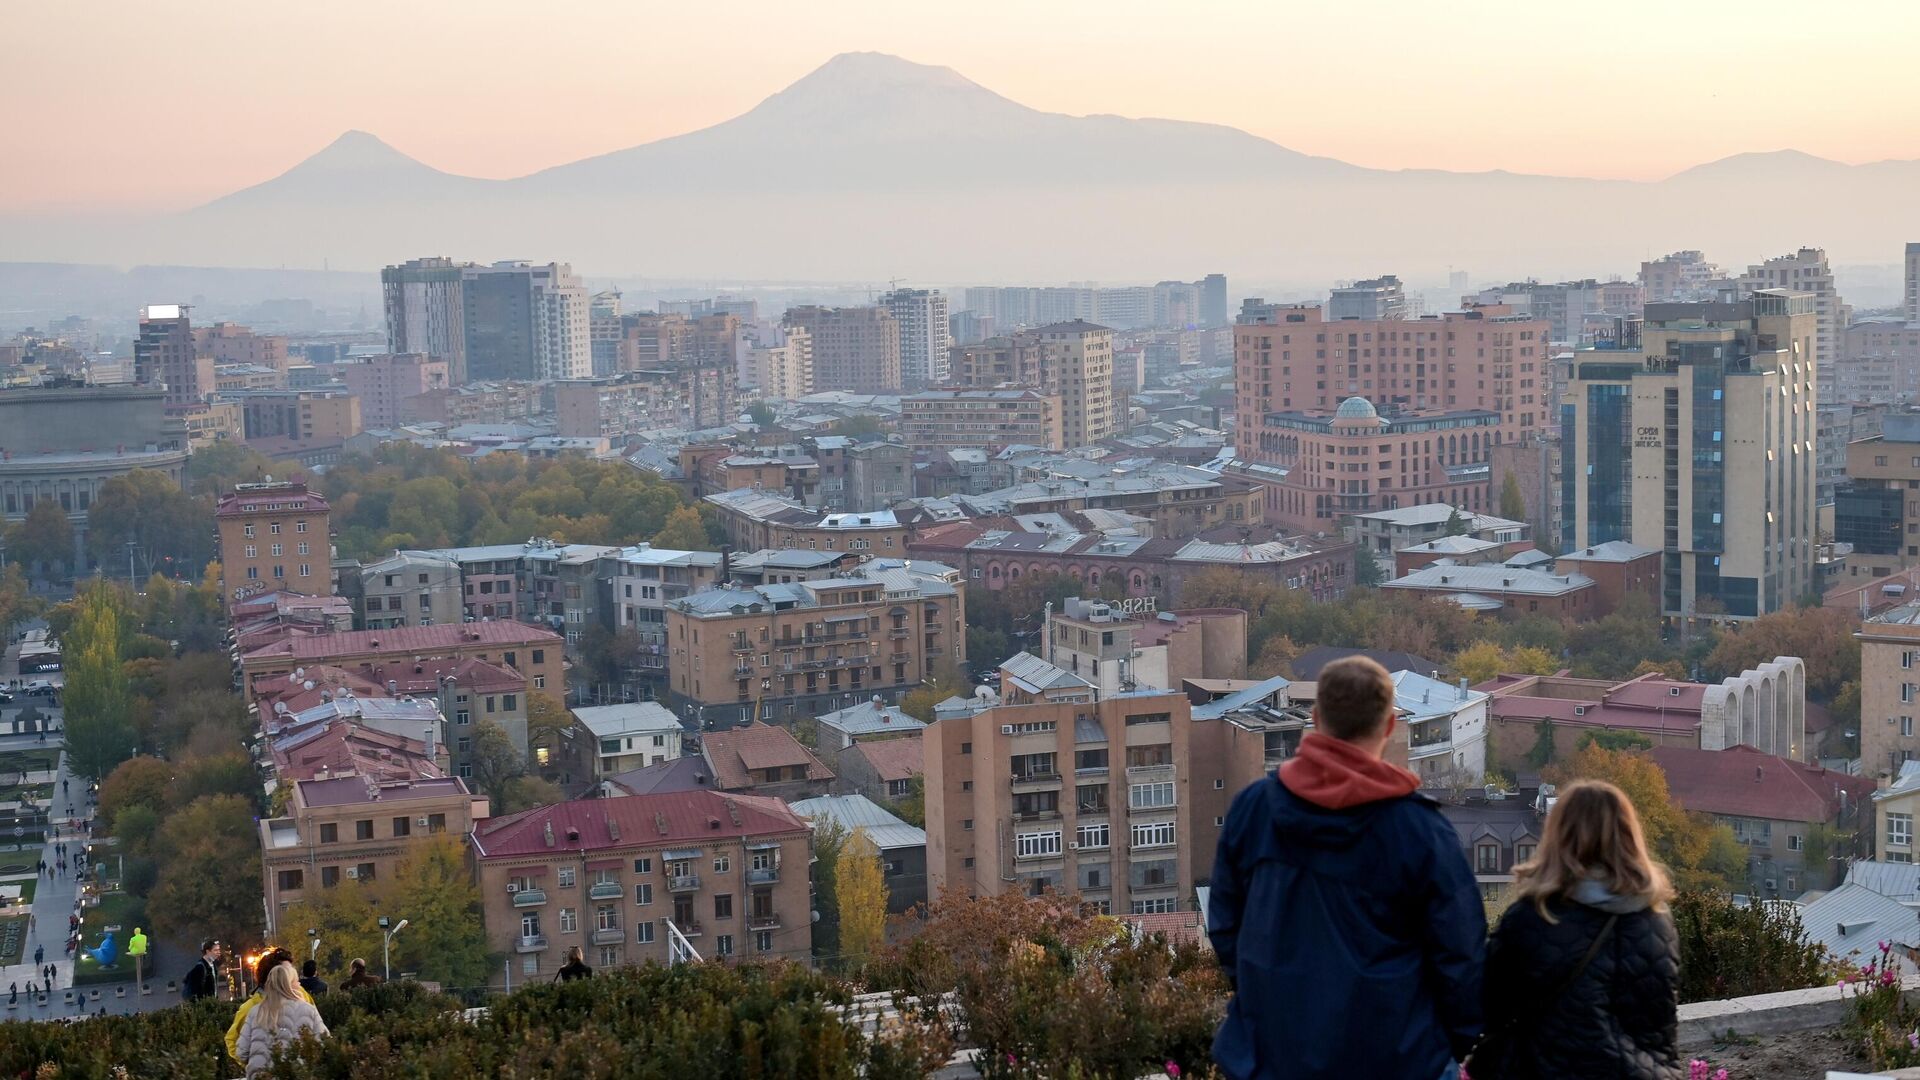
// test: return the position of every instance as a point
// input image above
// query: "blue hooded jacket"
(1354, 938)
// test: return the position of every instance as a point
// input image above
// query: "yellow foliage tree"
(1697, 851)
(860, 892)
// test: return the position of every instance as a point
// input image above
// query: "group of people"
(277, 1013)
(1345, 915)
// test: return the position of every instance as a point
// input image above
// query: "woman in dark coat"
(575, 967)
(1583, 972)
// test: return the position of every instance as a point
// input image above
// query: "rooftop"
(871, 717)
(1037, 676)
(632, 718)
(410, 639)
(635, 821)
(852, 812)
(348, 790)
(1743, 782)
(1613, 551)
(1852, 920)
(894, 759)
(1307, 665)
(736, 754)
(1490, 580)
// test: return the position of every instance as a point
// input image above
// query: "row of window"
(279, 571)
(273, 528)
(276, 550)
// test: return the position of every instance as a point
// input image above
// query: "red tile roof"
(736, 754)
(293, 691)
(893, 759)
(292, 498)
(424, 677)
(1175, 926)
(411, 639)
(1743, 782)
(636, 821)
(346, 747)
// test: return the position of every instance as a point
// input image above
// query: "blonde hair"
(281, 987)
(1592, 833)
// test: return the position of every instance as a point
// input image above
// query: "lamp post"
(313, 942)
(386, 948)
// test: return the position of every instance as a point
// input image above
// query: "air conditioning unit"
(512, 888)
(1073, 845)
(766, 684)
(353, 871)
(422, 822)
(1006, 729)
(1771, 885)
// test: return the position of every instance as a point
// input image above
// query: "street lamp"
(313, 942)
(386, 949)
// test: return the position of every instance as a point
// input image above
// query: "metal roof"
(632, 718)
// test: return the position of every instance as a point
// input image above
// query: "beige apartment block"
(1069, 360)
(856, 349)
(987, 419)
(275, 537)
(1889, 690)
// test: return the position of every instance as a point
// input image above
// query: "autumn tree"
(44, 538)
(1823, 637)
(1698, 852)
(829, 841)
(1513, 506)
(147, 509)
(860, 895)
(98, 702)
(447, 941)
(912, 807)
(1276, 658)
(209, 886)
(527, 792)
(496, 761)
(1611, 646)
(17, 602)
(140, 781)
(1484, 660)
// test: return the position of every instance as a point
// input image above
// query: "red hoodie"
(1334, 774)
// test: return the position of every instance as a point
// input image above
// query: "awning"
(845, 618)
(1087, 730)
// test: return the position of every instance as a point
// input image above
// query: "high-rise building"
(231, 343)
(706, 348)
(1071, 361)
(1683, 275)
(1876, 511)
(1364, 416)
(525, 321)
(856, 349)
(603, 318)
(383, 382)
(780, 362)
(1912, 305)
(425, 314)
(1698, 441)
(1371, 300)
(1807, 271)
(275, 536)
(922, 318)
(167, 356)
(1213, 300)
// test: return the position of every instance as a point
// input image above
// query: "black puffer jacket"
(1617, 1022)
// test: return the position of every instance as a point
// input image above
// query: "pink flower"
(1173, 1069)
(1913, 1039)
(1010, 1059)
(1886, 977)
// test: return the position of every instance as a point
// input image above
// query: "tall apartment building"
(1369, 416)
(1120, 651)
(780, 652)
(525, 321)
(166, 355)
(603, 325)
(382, 382)
(1213, 300)
(425, 311)
(1912, 305)
(1072, 361)
(231, 343)
(1372, 300)
(633, 879)
(1807, 271)
(1683, 275)
(1699, 443)
(708, 347)
(274, 536)
(989, 419)
(921, 315)
(1877, 511)
(1889, 690)
(856, 349)
(409, 588)
(779, 363)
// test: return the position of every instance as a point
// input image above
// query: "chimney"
(1463, 688)
(1758, 774)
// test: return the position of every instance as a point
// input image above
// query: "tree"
(829, 840)
(548, 718)
(99, 722)
(447, 941)
(760, 413)
(1542, 753)
(1456, 525)
(1513, 506)
(223, 774)
(1671, 669)
(859, 424)
(860, 894)
(1823, 637)
(135, 827)
(1612, 646)
(496, 762)
(209, 882)
(346, 917)
(17, 602)
(682, 532)
(1698, 852)
(1481, 662)
(1610, 739)
(140, 781)
(527, 792)
(147, 509)
(44, 538)
(912, 807)
(1276, 658)
(1366, 568)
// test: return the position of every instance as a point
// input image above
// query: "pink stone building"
(383, 382)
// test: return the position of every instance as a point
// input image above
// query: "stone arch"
(1796, 719)
(1768, 703)
(1749, 716)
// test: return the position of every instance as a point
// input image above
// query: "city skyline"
(1664, 107)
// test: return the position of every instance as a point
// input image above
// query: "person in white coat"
(280, 1018)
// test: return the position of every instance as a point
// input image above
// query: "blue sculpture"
(108, 953)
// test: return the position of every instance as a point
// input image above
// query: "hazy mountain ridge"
(872, 165)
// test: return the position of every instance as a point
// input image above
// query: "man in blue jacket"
(1343, 909)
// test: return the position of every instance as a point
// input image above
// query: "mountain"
(873, 167)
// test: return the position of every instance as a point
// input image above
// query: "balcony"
(684, 883)
(763, 922)
(740, 645)
(609, 935)
(527, 943)
(933, 651)
(1036, 815)
(1430, 747)
(899, 633)
(1146, 774)
(529, 897)
(605, 890)
(768, 876)
(1035, 779)
(690, 929)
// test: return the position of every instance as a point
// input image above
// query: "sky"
(164, 104)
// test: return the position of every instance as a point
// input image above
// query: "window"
(436, 823)
(539, 656)
(606, 917)
(329, 876)
(275, 550)
(1486, 859)
(1795, 843)
(722, 863)
(723, 906)
(967, 825)
(1900, 830)
(329, 833)
(252, 552)
(724, 945)
(643, 866)
(569, 920)
(1153, 834)
(299, 526)
(274, 528)
(1522, 852)
(1094, 836)
(1037, 844)
(247, 530)
(763, 941)
(291, 879)
(402, 826)
(363, 830)
(643, 932)
(509, 702)
(1906, 726)
(566, 877)
(530, 964)
(366, 872)
(1150, 796)
(643, 893)
(1165, 905)
(609, 955)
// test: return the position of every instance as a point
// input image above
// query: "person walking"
(358, 975)
(1343, 908)
(1583, 971)
(575, 967)
(282, 1016)
(203, 981)
(310, 979)
(40, 954)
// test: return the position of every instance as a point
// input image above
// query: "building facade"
(167, 356)
(410, 588)
(381, 383)
(1806, 271)
(988, 419)
(855, 349)
(921, 315)
(424, 300)
(275, 537)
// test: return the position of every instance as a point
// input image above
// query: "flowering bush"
(1729, 950)
(1700, 1070)
(1889, 1027)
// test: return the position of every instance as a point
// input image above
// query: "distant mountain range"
(874, 167)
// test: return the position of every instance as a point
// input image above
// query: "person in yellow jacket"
(274, 958)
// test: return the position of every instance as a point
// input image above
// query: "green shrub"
(1727, 950)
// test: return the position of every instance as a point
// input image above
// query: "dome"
(1355, 408)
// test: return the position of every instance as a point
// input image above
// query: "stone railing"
(1704, 1022)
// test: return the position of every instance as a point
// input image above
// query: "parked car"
(41, 688)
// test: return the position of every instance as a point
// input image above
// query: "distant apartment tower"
(231, 343)
(603, 324)
(425, 313)
(381, 383)
(1071, 361)
(1213, 300)
(706, 347)
(525, 321)
(780, 362)
(922, 318)
(855, 349)
(1912, 305)
(1698, 443)
(1371, 300)
(983, 419)
(1683, 275)
(166, 355)
(969, 327)
(1807, 271)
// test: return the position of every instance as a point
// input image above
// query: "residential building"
(1446, 730)
(341, 746)
(353, 831)
(1071, 360)
(856, 349)
(524, 321)
(1358, 416)
(1806, 271)
(231, 343)
(631, 736)
(1213, 300)
(902, 847)
(1510, 590)
(381, 383)
(424, 300)
(1893, 808)
(466, 692)
(1618, 570)
(1877, 512)
(410, 588)
(1499, 835)
(703, 354)
(1683, 275)
(886, 770)
(1373, 300)
(784, 651)
(1124, 646)
(1388, 532)
(533, 652)
(1853, 923)
(1889, 689)
(921, 316)
(641, 878)
(275, 536)
(762, 759)
(1879, 364)
(645, 579)
(779, 363)
(313, 417)
(603, 331)
(64, 443)
(756, 520)
(990, 419)
(632, 404)
(1653, 454)
(1772, 804)
(166, 355)
(872, 720)
(476, 403)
